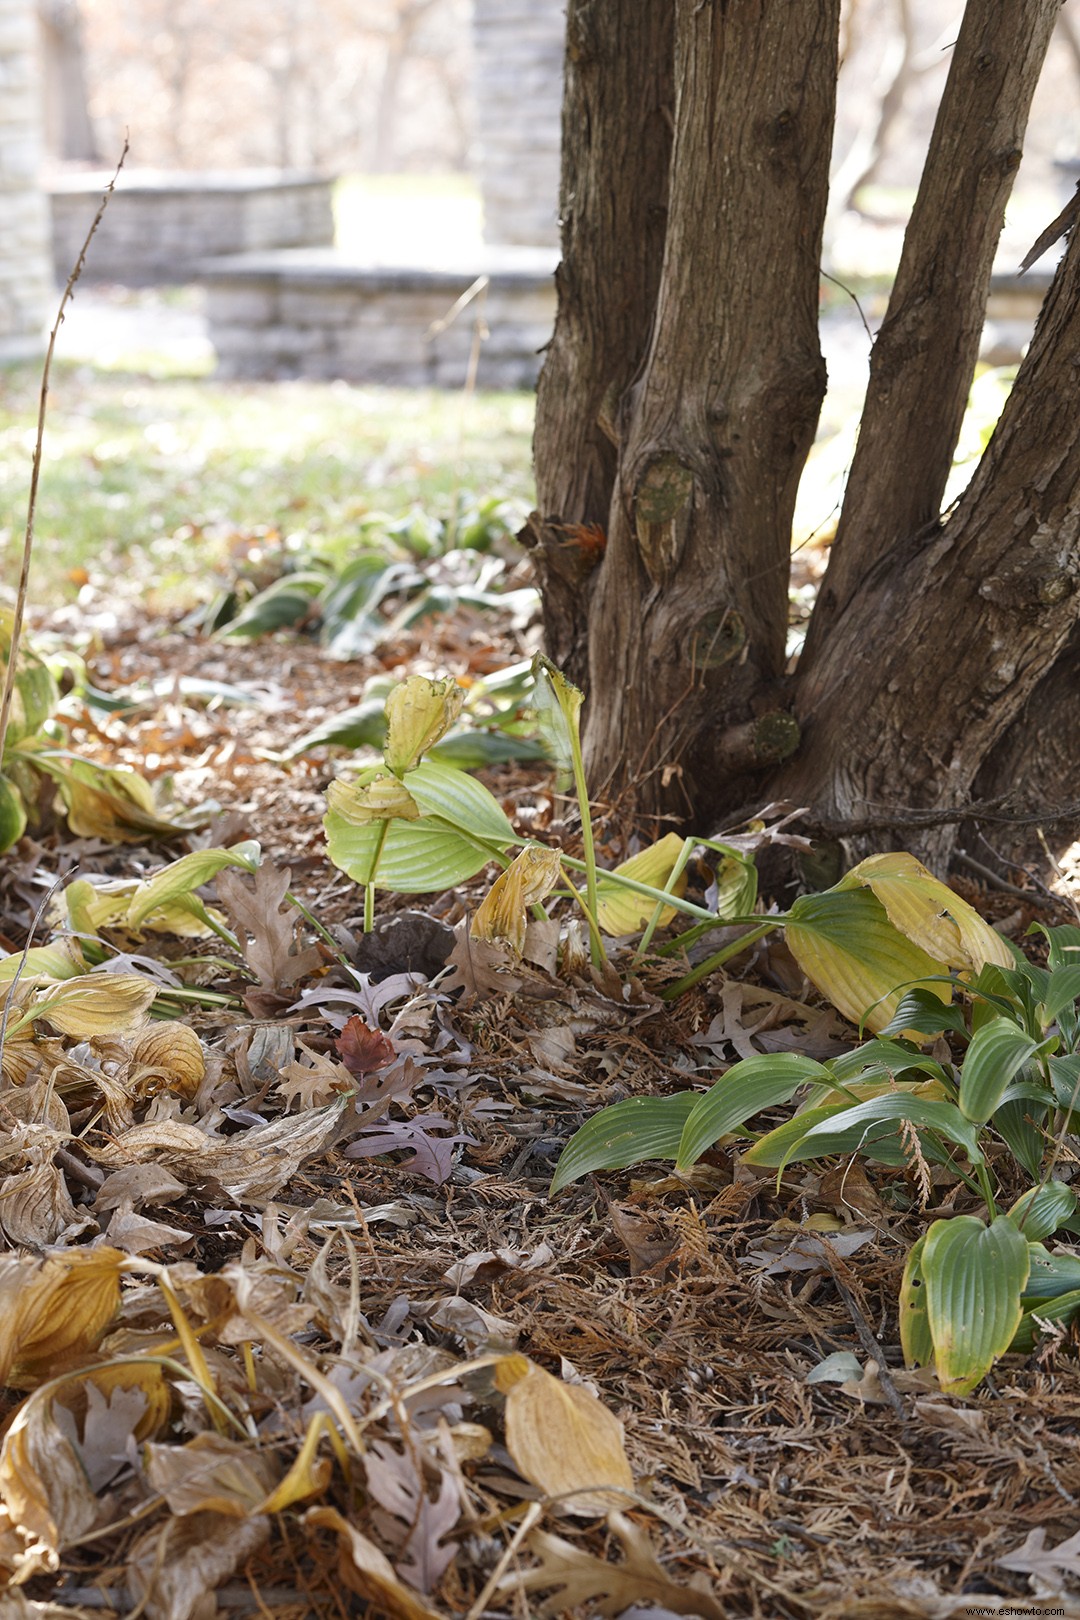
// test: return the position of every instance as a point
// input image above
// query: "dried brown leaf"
(174, 1565)
(255, 905)
(362, 1049)
(36, 1209)
(367, 1571)
(581, 1578)
(45, 1496)
(1048, 1564)
(211, 1474)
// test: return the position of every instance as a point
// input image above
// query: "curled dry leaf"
(211, 1474)
(504, 912)
(174, 1565)
(54, 1312)
(367, 1571)
(582, 1578)
(168, 1057)
(45, 1496)
(36, 1209)
(562, 1439)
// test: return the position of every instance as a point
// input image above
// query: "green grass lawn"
(164, 482)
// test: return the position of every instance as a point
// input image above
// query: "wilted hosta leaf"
(60, 961)
(35, 693)
(45, 1495)
(96, 1004)
(503, 912)
(174, 1565)
(928, 913)
(102, 801)
(620, 911)
(54, 1312)
(212, 1474)
(371, 798)
(367, 1571)
(36, 1208)
(167, 1057)
(845, 943)
(418, 713)
(562, 1438)
(181, 878)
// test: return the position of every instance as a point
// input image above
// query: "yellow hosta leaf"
(96, 1004)
(418, 713)
(620, 911)
(928, 913)
(309, 1474)
(167, 1057)
(382, 798)
(54, 1312)
(846, 945)
(503, 913)
(60, 961)
(562, 1438)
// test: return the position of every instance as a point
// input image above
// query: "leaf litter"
(289, 1322)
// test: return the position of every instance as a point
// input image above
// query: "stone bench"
(160, 225)
(320, 315)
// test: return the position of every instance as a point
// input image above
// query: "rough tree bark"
(934, 646)
(616, 132)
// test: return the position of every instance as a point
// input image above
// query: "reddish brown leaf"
(363, 1050)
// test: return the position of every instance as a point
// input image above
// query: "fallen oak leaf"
(580, 1577)
(1034, 1557)
(256, 906)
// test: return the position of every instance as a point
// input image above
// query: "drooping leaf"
(619, 911)
(747, 1088)
(974, 1276)
(927, 912)
(845, 943)
(626, 1133)
(96, 1004)
(418, 712)
(923, 1013)
(503, 914)
(182, 877)
(12, 814)
(853, 1130)
(997, 1053)
(286, 602)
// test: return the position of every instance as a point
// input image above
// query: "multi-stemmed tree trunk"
(680, 398)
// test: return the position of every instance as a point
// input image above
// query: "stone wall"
(159, 226)
(517, 92)
(25, 281)
(312, 315)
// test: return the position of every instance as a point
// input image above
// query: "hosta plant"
(994, 1112)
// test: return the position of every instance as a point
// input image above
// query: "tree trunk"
(688, 617)
(938, 653)
(932, 660)
(616, 142)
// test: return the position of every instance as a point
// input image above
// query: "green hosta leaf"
(924, 1012)
(460, 828)
(915, 1340)
(1039, 1212)
(747, 1088)
(286, 602)
(12, 814)
(469, 750)
(997, 1053)
(927, 912)
(865, 1128)
(1065, 1080)
(1051, 1274)
(844, 942)
(363, 726)
(1062, 1308)
(1017, 1122)
(627, 1133)
(1064, 943)
(1061, 992)
(884, 1057)
(179, 879)
(35, 693)
(974, 1276)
